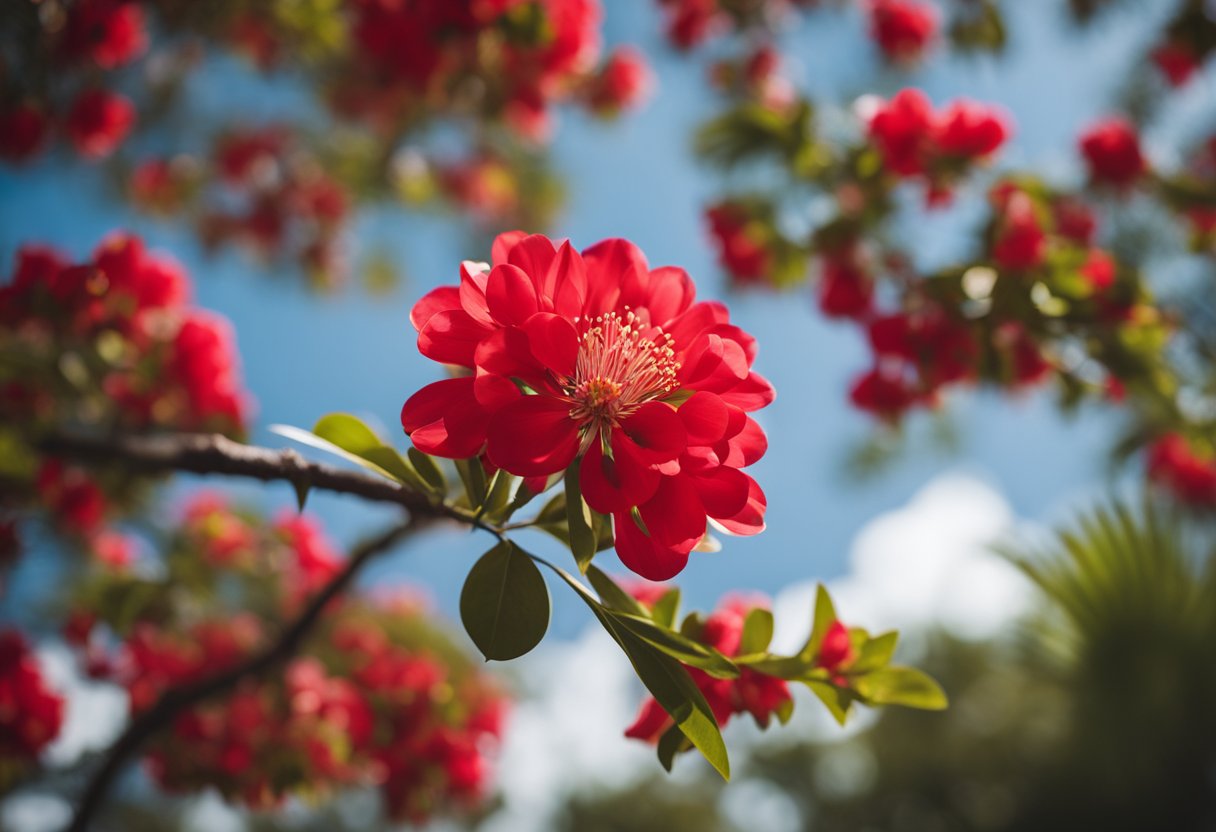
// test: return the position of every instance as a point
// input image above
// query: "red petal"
(503, 243)
(714, 363)
(657, 431)
(473, 293)
(446, 419)
(698, 318)
(651, 723)
(568, 277)
(443, 299)
(533, 436)
(750, 520)
(674, 516)
(511, 295)
(534, 254)
(752, 393)
(745, 447)
(643, 555)
(706, 418)
(671, 293)
(723, 491)
(617, 483)
(451, 337)
(554, 342)
(611, 264)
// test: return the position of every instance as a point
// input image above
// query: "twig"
(176, 700)
(204, 453)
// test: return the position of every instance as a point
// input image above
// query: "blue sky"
(305, 355)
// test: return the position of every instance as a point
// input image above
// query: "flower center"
(618, 369)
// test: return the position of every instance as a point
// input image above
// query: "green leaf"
(667, 609)
(498, 494)
(875, 653)
(347, 432)
(757, 631)
(783, 667)
(785, 711)
(674, 690)
(428, 470)
(578, 521)
(505, 604)
(473, 476)
(837, 700)
(305, 437)
(612, 595)
(900, 686)
(665, 678)
(825, 614)
(678, 646)
(672, 742)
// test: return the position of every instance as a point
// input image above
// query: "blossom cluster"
(93, 38)
(112, 342)
(914, 140)
(378, 697)
(260, 188)
(597, 360)
(31, 712)
(1186, 469)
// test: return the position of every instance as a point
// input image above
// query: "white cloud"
(95, 712)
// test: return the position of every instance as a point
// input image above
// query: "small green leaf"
(612, 595)
(428, 470)
(837, 700)
(473, 476)
(901, 686)
(498, 494)
(785, 711)
(305, 437)
(876, 652)
(783, 667)
(667, 609)
(757, 631)
(825, 614)
(578, 521)
(672, 742)
(505, 604)
(347, 432)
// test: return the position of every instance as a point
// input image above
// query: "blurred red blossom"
(1111, 149)
(903, 29)
(98, 122)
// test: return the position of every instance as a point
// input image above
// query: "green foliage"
(505, 604)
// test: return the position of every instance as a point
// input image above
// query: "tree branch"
(176, 700)
(203, 453)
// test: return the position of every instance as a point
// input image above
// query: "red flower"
(1099, 270)
(1177, 61)
(903, 29)
(625, 81)
(72, 497)
(970, 130)
(23, 131)
(691, 22)
(1112, 152)
(204, 362)
(1020, 243)
(1190, 476)
(110, 33)
(31, 713)
(845, 291)
(882, 393)
(836, 651)
(98, 122)
(1075, 221)
(624, 370)
(741, 251)
(903, 130)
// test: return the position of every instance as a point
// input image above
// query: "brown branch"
(176, 700)
(204, 453)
